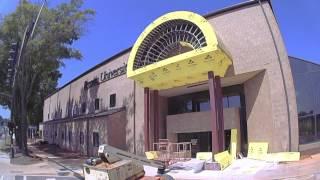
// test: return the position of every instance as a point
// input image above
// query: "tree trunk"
(24, 127)
(16, 115)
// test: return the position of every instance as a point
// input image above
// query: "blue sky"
(118, 23)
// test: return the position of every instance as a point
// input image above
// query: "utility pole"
(28, 33)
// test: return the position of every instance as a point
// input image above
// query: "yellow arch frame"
(182, 69)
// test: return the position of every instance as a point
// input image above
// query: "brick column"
(146, 119)
(219, 106)
(215, 136)
(156, 115)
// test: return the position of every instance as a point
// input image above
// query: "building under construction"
(193, 78)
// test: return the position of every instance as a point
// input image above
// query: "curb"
(79, 176)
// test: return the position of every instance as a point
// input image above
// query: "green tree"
(57, 29)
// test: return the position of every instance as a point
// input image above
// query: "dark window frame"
(70, 136)
(113, 100)
(81, 135)
(62, 135)
(97, 104)
(83, 107)
(95, 139)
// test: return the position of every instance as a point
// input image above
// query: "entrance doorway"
(200, 141)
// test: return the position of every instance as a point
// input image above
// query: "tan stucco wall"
(111, 129)
(139, 120)
(53, 105)
(259, 113)
(46, 109)
(247, 38)
(62, 101)
(73, 95)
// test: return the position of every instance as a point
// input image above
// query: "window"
(62, 135)
(307, 86)
(200, 101)
(201, 104)
(81, 138)
(83, 107)
(96, 104)
(112, 100)
(95, 136)
(195, 102)
(318, 126)
(231, 101)
(70, 136)
(75, 111)
(306, 129)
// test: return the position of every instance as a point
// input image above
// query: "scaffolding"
(170, 153)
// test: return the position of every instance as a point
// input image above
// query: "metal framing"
(169, 39)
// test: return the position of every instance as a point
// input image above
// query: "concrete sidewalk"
(22, 165)
(70, 161)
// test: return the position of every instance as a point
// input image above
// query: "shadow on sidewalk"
(20, 159)
(52, 150)
(69, 161)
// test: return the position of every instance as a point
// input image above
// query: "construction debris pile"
(175, 159)
(114, 163)
(177, 156)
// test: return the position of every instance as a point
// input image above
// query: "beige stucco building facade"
(258, 90)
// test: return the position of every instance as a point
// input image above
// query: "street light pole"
(26, 36)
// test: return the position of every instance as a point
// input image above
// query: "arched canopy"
(177, 49)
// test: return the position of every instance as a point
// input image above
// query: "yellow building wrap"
(233, 144)
(258, 150)
(224, 159)
(182, 69)
(151, 154)
(204, 156)
(282, 157)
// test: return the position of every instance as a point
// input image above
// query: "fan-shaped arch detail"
(171, 38)
(177, 49)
